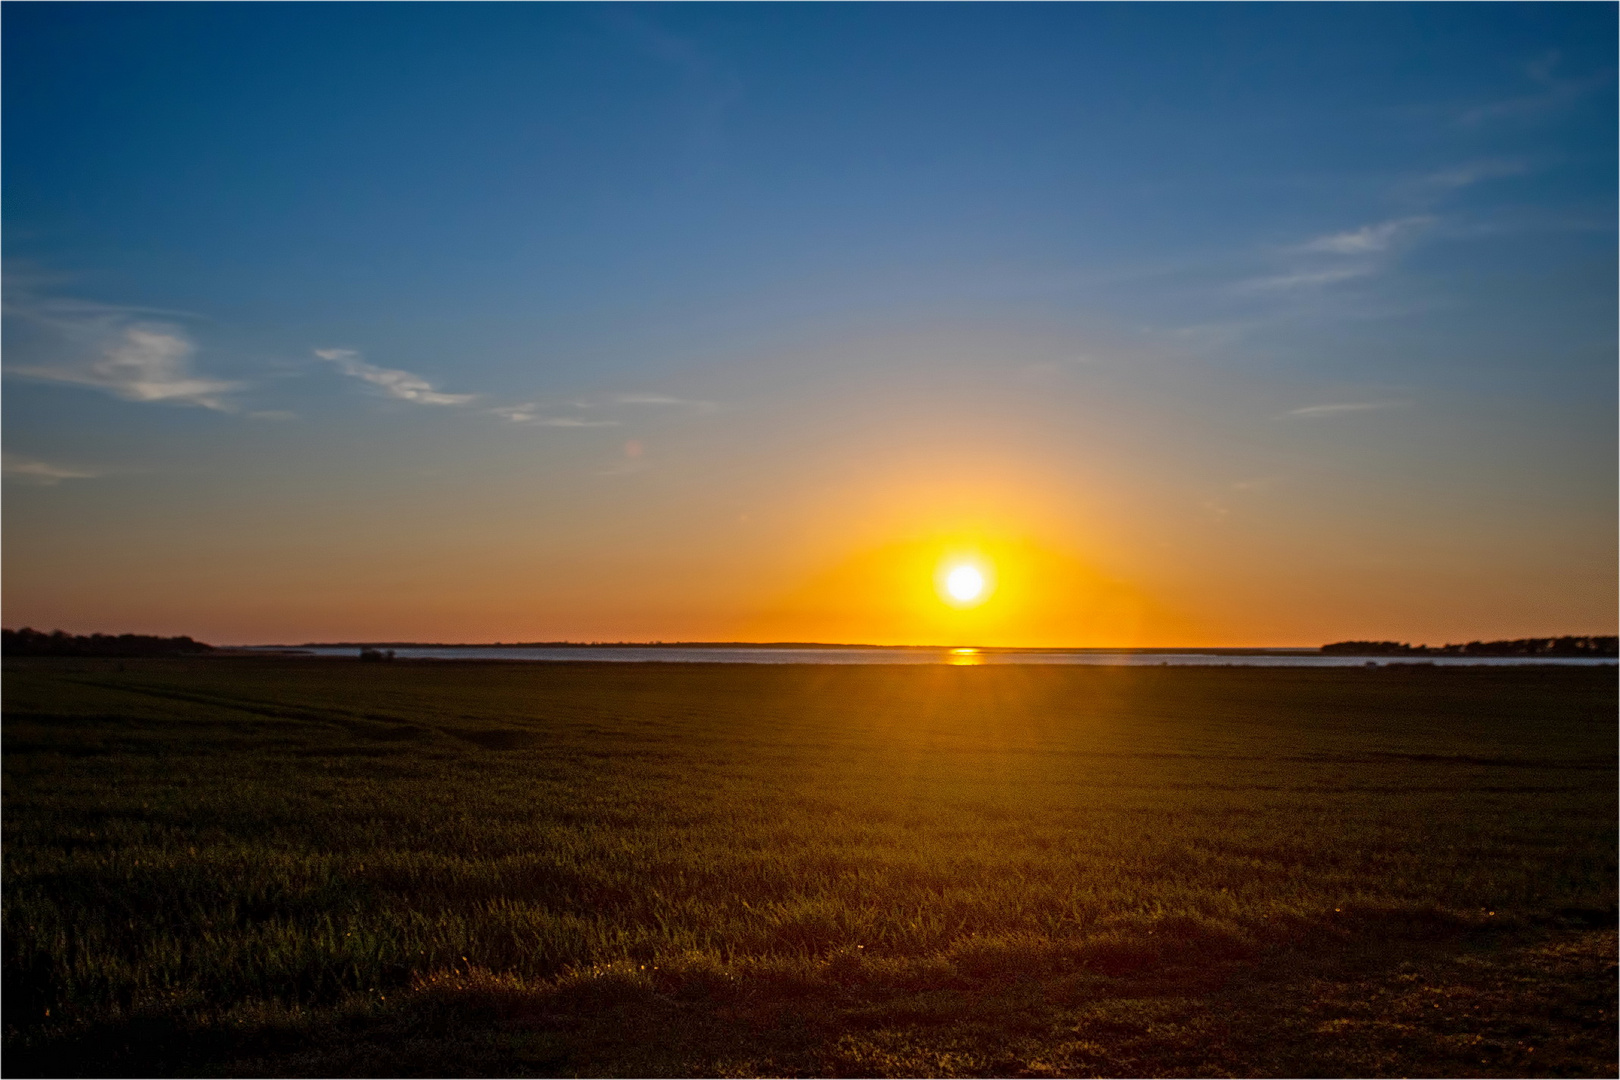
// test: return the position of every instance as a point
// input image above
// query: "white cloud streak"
(1304, 279)
(1474, 172)
(1339, 408)
(662, 399)
(1339, 257)
(105, 349)
(530, 414)
(33, 471)
(402, 385)
(1555, 96)
(609, 412)
(1367, 240)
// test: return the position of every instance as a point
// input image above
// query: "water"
(830, 654)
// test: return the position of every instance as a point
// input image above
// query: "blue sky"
(271, 260)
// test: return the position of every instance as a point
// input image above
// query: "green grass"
(322, 867)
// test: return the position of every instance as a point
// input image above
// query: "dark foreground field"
(305, 867)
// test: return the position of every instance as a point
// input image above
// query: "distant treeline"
(1557, 646)
(30, 642)
(598, 645)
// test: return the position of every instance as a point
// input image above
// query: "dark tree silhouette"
(31, 642)
(1569, 646)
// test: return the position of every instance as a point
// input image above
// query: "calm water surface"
(742, 654)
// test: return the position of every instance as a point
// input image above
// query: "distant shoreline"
(1288, 650)
(820, 653)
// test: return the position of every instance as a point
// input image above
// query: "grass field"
(321, 867)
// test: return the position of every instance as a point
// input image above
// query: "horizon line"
(658, 644)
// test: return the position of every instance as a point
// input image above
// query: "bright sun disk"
(964, 583)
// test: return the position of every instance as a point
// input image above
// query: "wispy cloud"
(1554, 95)
(517, 414)
(626, 410)
(1337, 257)
(1474, 172)
(1338, 408)
(118, 350)
(538, 415)
(33, 471)
(662, 399)
(530, 414)
(395, 383)
(1367, 240)
(144, 363)
(1304, 279)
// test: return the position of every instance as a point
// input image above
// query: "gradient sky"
(1209, 324)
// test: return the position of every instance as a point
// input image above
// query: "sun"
(963, 582)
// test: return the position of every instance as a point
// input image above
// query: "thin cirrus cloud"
(402, 385)
(1339, 408)
(34, 471)
(533, 413)
(530, 414)
(662, 399)
(1341, 256)
(1474, 172)
(1305, 278)
(1554, 94)
(137, 361)
(1364, 251)
(1369, 239)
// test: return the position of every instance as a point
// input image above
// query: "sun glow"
(963, 583)
(901, 593)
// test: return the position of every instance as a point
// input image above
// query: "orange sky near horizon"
(1102, 529)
